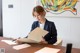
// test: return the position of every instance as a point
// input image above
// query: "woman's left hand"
(43, 41)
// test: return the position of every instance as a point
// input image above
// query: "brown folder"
(35, 36)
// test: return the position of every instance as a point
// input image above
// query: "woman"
(39, 13)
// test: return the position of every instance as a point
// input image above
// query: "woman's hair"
(39, 9)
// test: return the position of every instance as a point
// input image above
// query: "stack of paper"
(22, 46)
(48, 50)
(10, 42)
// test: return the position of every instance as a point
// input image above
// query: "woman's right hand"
(18, 41)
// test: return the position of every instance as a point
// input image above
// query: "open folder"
(35, 36)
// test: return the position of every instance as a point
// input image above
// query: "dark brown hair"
(39, 9)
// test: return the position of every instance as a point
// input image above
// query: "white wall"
(0, 15)
(68, 29)
(17, 22)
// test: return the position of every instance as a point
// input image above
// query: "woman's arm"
(53, 34)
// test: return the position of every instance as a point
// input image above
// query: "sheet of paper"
(22, 46)
(37, 34)
(48, 50)
(10, 42)
(27, 40)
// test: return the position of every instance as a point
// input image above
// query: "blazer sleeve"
(33, 26)
(53, 34)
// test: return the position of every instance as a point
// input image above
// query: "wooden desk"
(33, 48)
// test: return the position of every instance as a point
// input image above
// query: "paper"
(37, 34)
(22, 46)
(27, 40)
(48, 50)
(10, 42)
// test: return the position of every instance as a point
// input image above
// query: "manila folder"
(34, 36)
(37, 34)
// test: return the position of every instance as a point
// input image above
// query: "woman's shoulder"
(50, 22)
(35, 22)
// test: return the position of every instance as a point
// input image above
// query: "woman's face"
(38, 17)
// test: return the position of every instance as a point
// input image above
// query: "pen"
(15, 39)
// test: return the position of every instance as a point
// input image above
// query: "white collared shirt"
(41, 25)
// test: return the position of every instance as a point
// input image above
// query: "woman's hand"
(43, 41)
(18, 41)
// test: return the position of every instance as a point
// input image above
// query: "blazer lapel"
(37, 24)
(45, 26)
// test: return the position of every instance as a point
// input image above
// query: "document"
(27, 40)
(22, 46)
(35, 36)
(10, 42)
(48, 50)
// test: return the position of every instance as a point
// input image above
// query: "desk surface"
(33, 48)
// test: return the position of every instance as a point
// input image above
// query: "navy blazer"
(51, 37)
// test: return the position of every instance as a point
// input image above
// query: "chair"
(59, 42)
